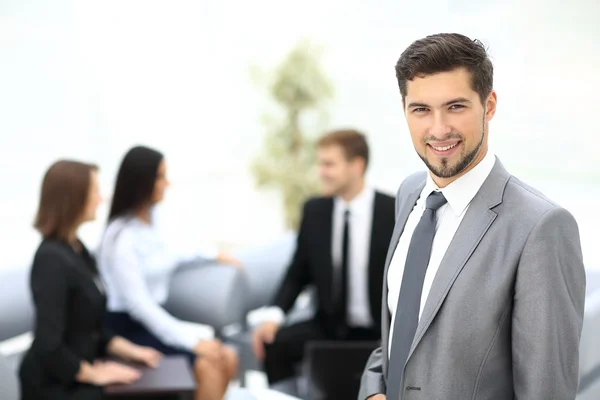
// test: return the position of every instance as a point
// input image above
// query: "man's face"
(336, 172)
(447, 122)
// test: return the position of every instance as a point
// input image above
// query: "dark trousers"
(287, 350)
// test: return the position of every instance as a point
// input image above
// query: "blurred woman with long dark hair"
(137, 266)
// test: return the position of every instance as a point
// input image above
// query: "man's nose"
(440, 127)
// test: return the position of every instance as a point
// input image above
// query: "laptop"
(333, 369)
(173, 377)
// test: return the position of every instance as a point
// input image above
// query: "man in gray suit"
(484, 291)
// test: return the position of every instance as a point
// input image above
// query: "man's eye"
(456, 106)
(419, 109)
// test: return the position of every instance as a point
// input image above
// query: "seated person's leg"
(212, 372)
(287, 350)
(212, 378)
(230, 362)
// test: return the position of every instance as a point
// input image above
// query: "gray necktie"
(409, 300)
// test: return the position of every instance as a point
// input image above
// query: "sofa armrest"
(210, 294)
(9, 382)
(16, 306)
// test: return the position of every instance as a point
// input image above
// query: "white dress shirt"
(359, 246)
(459, 195)
(137, 265)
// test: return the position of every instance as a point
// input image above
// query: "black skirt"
(121, 324)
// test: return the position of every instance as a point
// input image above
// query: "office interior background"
(88, 79)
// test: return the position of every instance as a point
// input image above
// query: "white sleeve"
(129, 283)
(200, 331)
(265, 314)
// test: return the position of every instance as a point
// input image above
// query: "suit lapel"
(375, 232)
(327, 229)
(407, 203)
(378, 227)
(476, 222)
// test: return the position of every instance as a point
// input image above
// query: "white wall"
(88, 79)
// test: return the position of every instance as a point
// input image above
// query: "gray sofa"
(217, 295)
(266, 285)
(16, 316)
(221, 296)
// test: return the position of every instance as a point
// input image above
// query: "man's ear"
(490, 105)
(359, 164)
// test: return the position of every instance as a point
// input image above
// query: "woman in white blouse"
(137, 266)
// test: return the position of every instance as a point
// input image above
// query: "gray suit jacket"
(504, 315)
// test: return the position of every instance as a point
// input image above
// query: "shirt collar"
(460, 192)
(360, 204)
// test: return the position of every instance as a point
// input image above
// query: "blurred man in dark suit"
(341, 248)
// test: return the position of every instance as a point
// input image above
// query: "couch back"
(16, 307)
(264, 269)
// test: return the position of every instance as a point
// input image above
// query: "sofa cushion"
(9, 382)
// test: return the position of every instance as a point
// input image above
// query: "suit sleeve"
(50, 290)
(548, 310)
(298, 274)
(105, 339)
(372, 381)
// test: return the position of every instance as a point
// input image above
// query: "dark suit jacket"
(70, 308)
(312, 263)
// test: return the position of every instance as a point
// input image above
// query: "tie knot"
(435, 201)
(346, 214)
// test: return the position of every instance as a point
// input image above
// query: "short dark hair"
(136, 180)
(444, 52)
(353, 143)
(64, 195)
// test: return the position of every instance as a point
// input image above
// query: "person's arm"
(186, 254)
(121, 348)
(128, 280)
(105, 339)
(298, 274)
(50, 289)
(548, 310)
(372, 382)
(128, 351)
